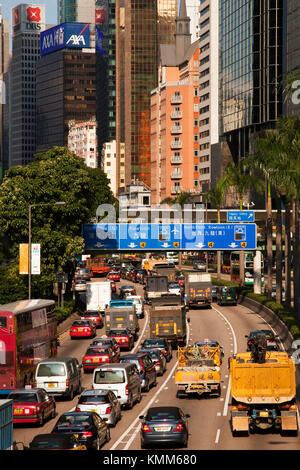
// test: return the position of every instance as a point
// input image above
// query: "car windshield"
(23, 397)
(174, 286)
(131, 361)
(262, 332)
(109, 376)
(118, 333)
(74, 419)
(100, 342)
(158, 415)
(151, 343)
(51, 369)
(93, 351)
(212, 344)
(91, 314)
(93, 399)
(49, 443)
(81, 323)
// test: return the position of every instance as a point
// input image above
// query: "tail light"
(126, 390)
(179, 428)
(77, 408)
(67, 382)
(108, 410)
(164, 351)
(240, 407)
(87, 434)
(145, 428)
(104, 359)
(35, 384)
(293, 407)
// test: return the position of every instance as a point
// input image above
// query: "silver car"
(158, 358)
(103, 402)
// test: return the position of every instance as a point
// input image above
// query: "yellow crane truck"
(198, 371)
(263, 390)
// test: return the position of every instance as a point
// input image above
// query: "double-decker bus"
(249, 266)
(28, 334)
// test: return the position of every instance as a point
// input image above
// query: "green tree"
(56, 175)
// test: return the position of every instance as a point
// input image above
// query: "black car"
(60, 441)
(105, 341)
(90, 429)
(214, 293)
(164, 425)
(127, 290)
(159, 343)
(272, 343)
(146, 368)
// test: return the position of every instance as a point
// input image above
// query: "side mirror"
(141, 417)
(246, 336)
(187, 416)
(188, 320)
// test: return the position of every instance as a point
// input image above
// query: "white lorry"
(98, 296)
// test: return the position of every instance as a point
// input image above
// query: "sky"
(51, 8)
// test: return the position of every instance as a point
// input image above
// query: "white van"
(122, 379)
(138, 303)
(59, 377)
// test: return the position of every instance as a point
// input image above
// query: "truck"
(198, 289)
(97, 266)
(6, 424)
(122, 318)
(263, 389)
(98, 296)
(198, 371)
(165, 269)
(168, 319)
(155, 287)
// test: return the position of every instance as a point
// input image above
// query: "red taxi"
(113, 276)
(94, 316)
(32, 405)
(124, 339)
(82, 329)
(95, 356)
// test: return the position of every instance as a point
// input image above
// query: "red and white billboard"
(34, 14)
(28, 17)
(100, 16)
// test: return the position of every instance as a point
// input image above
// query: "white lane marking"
(218, 436)
(134, 423)
(143, 332)
(225, 410)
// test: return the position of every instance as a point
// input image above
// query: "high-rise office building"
(251, 66)
(4, 60)
(147, 24)
(192, 9)
(75, 11)
(28, 21)
(293, 52)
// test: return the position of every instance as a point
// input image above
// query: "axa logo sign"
(65, 35)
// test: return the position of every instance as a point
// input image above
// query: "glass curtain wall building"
(251, 65)
(147, 24)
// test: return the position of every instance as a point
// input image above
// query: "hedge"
(66, 311)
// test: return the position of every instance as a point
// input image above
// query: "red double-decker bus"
(28, 334)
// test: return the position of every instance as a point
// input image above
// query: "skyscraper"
(147, 24)
(28, 23)
(75, 11)
(4, 59)
(293, 51)
(251, 66)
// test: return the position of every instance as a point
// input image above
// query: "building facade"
(4, 99)
(251, 67)
(82, 140)
(147, 24)
(75, 11)
(65, 92)
(109, 164)
(293, 52)
(28, 21)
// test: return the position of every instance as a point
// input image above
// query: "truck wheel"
(180, 395)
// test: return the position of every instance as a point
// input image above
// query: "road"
(209, 424)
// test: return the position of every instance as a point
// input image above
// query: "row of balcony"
(176, 99)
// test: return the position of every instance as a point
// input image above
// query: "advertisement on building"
(28, 18)
(71, 35)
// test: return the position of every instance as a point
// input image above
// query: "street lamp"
(60, 203)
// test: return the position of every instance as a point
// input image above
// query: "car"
(158, 358)
(127, 290)
(146, 368)
(106, 341)
(51, 441)
(93, 315)
(90, 429)
(181, 280)
(79, 285)
(84, 274)
(95, 356)
(158, 343)
(164, 425)
(174, 288)
(113, 276)
(200, 266)
(32, 405)
(272, 339)
(124, 338)
(82, 329)
(214, 290)
(103, 402)
(212, 344)
(139, 306)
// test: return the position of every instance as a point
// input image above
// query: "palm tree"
(216, 197)
(238, 177)
(181, 199)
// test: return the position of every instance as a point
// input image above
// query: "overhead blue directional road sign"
(150, 236)
(218, 237)
(101, 236)
(170, 237)
(240, 216)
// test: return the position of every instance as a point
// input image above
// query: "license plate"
(264, 414)
(95, 360)
(51, 384)
(76, 435)
(80, 329)
(162, 429)
(18, 411)
(228, 298)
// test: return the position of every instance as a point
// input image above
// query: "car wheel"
(107, 435)
(98, 443)
(147, 387)
(71, 394)
(130, 403)
(53, 414)
(139, 398)
(41, 420)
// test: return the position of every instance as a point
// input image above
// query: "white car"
(79, 285)
(174, 288)
(139, 305)
(103, 402)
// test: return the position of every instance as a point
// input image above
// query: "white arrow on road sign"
(166, 245)
(200, 245)
(233, 245)
(132, 245)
